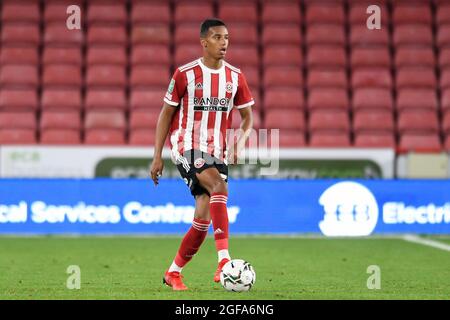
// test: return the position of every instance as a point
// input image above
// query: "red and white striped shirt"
(205, 98)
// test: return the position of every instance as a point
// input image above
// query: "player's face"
(217, 42)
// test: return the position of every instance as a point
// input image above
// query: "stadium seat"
(25, 34)
(358, 13)
(60, 137)
(414, 56)
(327, 12)
(18, 55)
(281, 118)
(422, 121)
(373, 121)
(330, 77)
(143, 119)
(149, 76)
(61, 99)
(106, 35)
(236, 120)
(147, 13)
(282, 77)
(186, 53)
(21, 76)
(291, 139)
(63, 55)
(56, 11)
(18, 99)
(447, 143)
(61, 75)
(18, 120)
(417, 99)
(362, 57)
(105, 119)
(278, 34)
(419, 142)
(412, 34)
(328, 98)
(446, 123)
(289, 55)
(323, 56)
(17, 136)
(143, 137)
(242, 34)
(444, 58)
(106, 99)
(329, 140)
(189, 12)
(375, 140)
(360, 36)
(276, 98)
(68, 119)
(445, 100)
(151, 34)
(444, 81)
(327, 120)
(57, 34)
(416, 77)
(237, 11)
(106, 76)
(105, 13)
(147, 98)
(406, 14)
(371, 78)
(288, 12)
(443, 14)
(27, 12)
(150, 55)
(106, 55)
(187, 33)
(372, 98)
(104, 137)
(330, 34)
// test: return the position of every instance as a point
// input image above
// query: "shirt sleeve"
(243, 97)
(176, 89)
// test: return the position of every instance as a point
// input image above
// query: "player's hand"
(156, 169)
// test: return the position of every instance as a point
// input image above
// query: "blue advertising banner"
(329, 207)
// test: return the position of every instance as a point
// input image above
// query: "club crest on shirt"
(199, 86)
(198, 163)
(229, 87)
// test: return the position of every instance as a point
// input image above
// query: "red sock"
(219, 217)
(192, 241)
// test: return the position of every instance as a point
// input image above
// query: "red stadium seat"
(142, 137)
(358, 13)
(150, 34)
(288, 12)
(60, 137)
(284, 119)
(57, 34)
(276, 98)
(445, 100)
(292, 139)
(143, 119)
(443, 14)
(17, 136)
(417, 99)
(104, 137)
(416, 77)
(20, 12)
(329, 140)
(147, 13)
(68, 119)
(61, 99)
(360, 35)
(447, 143)
(236, 120)
(327, 120)
(330, 77)
(370, 57)
(418, 121)
(109, 99)
(411, 57)
(406, 14)
(325, 13)
(147, 98)
(150, 54)
(18, 120)
(413, 34)
(189, 12)
(275, 33)
(56, 11)
(21, 34)
(375, 140)
(425, 142)
(325, 34)
(328, 98)
(18, 55)
(187, 33)
(106, 55)
(105, 119)
(243, 56)
(149, 76)
(62, 75)
(444, 58)
(63, 55)
(106, 13)
(288, 55)
(373, 121)
(18, 99)
(371, 78)
(186, 53)
(446, 123)
(106, 35)
(106, 76)
(23, 76)
(282, 76)
(243, 34)
(321, 56)
(444, 81)
(373, 98)
(233, 12)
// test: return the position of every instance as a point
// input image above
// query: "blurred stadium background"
(364, 120)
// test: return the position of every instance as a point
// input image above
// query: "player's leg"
(212, 181)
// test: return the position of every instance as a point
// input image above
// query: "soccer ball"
(237, 275)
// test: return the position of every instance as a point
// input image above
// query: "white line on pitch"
(427, 242)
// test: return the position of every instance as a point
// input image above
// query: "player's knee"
(219, 186)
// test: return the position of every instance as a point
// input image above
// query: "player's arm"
(244, 132)
(162, 129)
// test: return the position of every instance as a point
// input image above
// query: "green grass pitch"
(286, 268)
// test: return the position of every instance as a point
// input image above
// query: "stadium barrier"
(135, 206)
